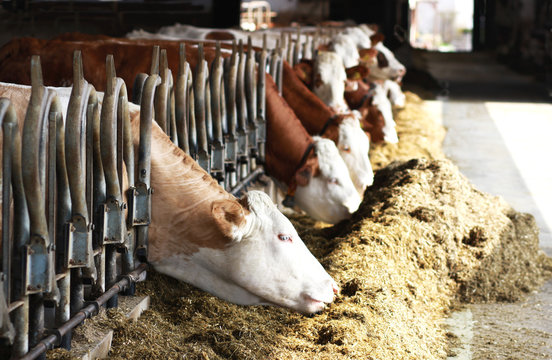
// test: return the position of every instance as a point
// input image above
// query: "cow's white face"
(391, 69)
(329, 80)
(381, 101)
(272, 262)
(346, 49)
(353, 147)
(264, 263)
(331, 196)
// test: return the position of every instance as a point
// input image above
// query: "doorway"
(441, 25)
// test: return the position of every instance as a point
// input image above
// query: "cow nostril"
(335, 289)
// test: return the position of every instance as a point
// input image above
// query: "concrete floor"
(498, 133)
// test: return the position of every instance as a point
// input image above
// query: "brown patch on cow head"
(219, 35)
(382, 60)
(304, 71)
(357, 72)
(228, 214)
(376, 38)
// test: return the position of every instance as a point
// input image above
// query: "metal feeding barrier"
(65, 222)
(217, 111)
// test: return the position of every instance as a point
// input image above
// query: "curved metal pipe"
(181, 100)
(80, 243)
(143, 189)
(162, 94)
(201, 81)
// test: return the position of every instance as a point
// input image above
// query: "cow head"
(268, 259)
(387, 67)
(329, 80)
(330, 196)
(353, 146)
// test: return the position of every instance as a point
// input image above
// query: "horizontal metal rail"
(90, 309)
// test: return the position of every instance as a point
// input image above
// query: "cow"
(318, 177)
(343, 129)
(241, 250)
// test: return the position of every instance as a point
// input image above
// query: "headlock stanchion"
(218, 112)
(261, 102)
(143, 192)
(250, 82)
(78, 244)
(43, 121)
(230, 135)
(184, 97)
(14, 305)
(241, 109)
(114, 119)
(202, 111)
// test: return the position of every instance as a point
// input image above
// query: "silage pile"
(423, 238)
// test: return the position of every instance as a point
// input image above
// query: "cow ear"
(357, 72)
(229, 215)
(244, 201)
(376, 38)
(304, 71)
(303, 175)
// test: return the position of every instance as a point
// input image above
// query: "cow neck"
(360, 97)
(182, 221)
(315, 116)
(287, 140)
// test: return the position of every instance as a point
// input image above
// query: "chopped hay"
(423, 239)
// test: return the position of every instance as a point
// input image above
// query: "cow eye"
(284, 237)
(346, 148)
(333, 181)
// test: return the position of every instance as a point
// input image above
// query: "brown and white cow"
(342, 128)
(310, 166)
(244, 251)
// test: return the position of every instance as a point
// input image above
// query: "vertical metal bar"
(181, 101)
(144, 162)
(297, 47)
(261, 102)
(217, 103)
(200, 93)
(250, 82)
(242, 130)
(230, 78)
